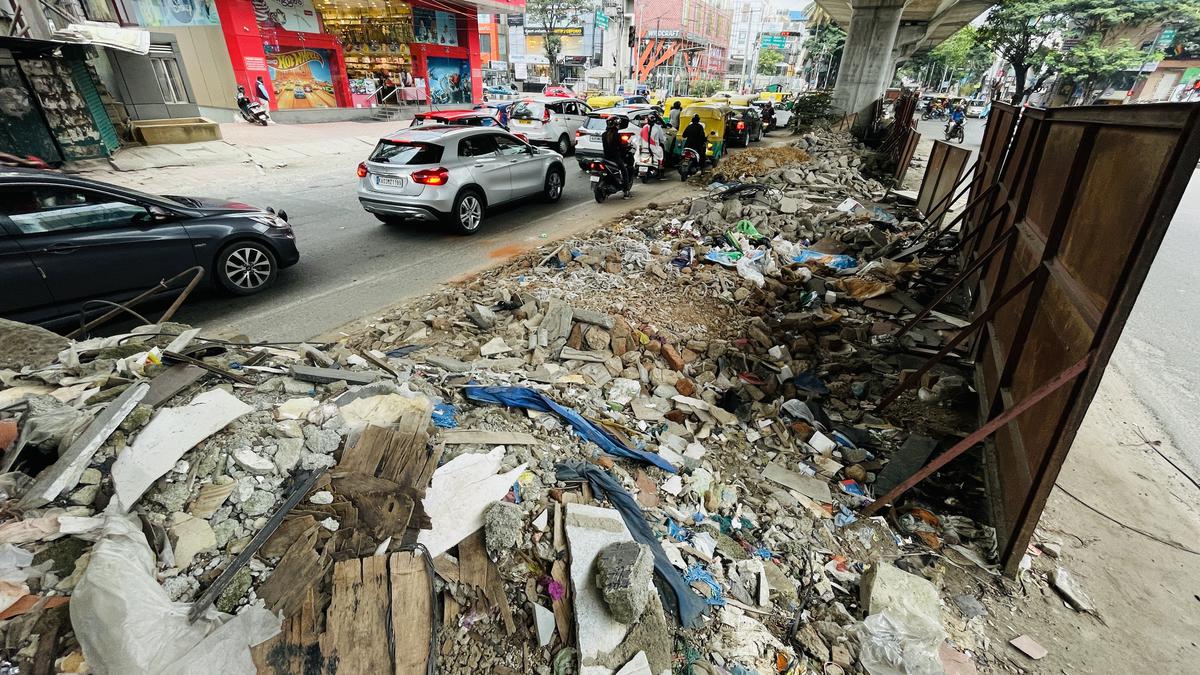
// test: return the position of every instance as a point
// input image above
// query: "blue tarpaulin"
(530, 399)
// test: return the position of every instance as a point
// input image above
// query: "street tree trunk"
(1020, 72)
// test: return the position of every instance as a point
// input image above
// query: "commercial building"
(681, 41)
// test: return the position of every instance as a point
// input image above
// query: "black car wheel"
(245, 268)
(564, 145)
(467, 213)
(553, 189)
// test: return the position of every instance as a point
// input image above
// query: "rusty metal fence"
(1068, 208)
(944, 173)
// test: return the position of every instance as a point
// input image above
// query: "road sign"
(1165, 39)
(601, 19)
(773, 42)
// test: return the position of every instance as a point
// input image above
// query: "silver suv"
(454, 174)
(548, 120)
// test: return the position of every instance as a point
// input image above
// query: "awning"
(111, 35)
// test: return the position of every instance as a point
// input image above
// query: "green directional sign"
(601, 19)
(773, 42)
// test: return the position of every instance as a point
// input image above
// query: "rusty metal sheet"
(1086, 196)
(943, 175)
(906, 147)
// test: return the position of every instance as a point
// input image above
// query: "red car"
(558, 90)
(482, 117)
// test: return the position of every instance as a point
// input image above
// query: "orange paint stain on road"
(507, 251)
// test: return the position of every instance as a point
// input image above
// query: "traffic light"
(632, 36)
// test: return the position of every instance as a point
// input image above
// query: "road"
(351, 265)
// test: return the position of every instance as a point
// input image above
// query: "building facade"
(681, 41)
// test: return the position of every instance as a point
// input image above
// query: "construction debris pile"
(644, 450)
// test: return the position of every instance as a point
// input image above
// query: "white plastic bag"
(126, 623)
(897, 642)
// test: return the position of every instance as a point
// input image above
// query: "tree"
(1023, 34)
(768, 61)
(824, 48)
(552, 16)
(705, 88)
(1089, 62)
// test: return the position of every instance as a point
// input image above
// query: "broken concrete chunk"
(544, 619)
(494, 346)
(253, 463)
(327, 375)
(557, 320)
(502, 523)
(591, 529)
(22, 345)
(623, 575)
(189, 536)
(481, 316)
(448, 363)
(886, 586)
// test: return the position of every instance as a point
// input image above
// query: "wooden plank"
(477, 569)
(564, 615)
(286, 535)
(296, 649)
(405, 460)
(171, 381)
(300, 568)
(365, 455)
(412, 612)
(356, 626)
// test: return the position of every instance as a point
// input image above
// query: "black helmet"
(614, 122)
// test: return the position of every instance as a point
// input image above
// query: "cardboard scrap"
(813, 488)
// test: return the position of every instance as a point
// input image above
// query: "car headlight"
(271, 220)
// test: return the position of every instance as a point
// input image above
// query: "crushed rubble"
(642, 450)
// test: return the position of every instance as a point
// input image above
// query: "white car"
(587, 137)
(977, 107)
(548, 120)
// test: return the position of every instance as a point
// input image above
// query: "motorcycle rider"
(957, 117)
(695, 138)
(617, 152)
(768, 116)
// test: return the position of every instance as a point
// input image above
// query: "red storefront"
(324, 54)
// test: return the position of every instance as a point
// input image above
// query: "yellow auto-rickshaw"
(775, 97)
(741, 99)
(597, 102)
(714, 117)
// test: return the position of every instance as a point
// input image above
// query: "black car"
(745, 126)
(65, 240)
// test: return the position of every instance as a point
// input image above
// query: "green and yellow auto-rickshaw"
(604, 101)
(714, 116)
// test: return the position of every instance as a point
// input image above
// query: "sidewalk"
(271, 146)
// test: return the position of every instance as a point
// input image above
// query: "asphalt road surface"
(352, 266)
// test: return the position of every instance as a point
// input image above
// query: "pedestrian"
(676, 111)
(653, 139)
(616, 151)
(260, 89)
(694, 138)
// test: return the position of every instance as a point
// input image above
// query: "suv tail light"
(437, 176)
(362, 169)
(741, 125)
(579, 133)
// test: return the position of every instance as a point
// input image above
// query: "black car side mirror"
(154, 214)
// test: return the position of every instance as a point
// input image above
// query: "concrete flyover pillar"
(866, 68)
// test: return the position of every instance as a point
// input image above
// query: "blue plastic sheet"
(443, 416)
(698, 573)
(810, 383)
(682, 601)
(837, 262)
(530, 399)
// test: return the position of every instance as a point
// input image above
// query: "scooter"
(689, 164)
(605, 178)
(954, 132)
(647, 165)
(252, 111)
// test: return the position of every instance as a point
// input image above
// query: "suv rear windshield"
(595, 123)
(406, 153)
(527, 110)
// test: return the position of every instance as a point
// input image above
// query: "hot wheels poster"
(302, 77)
(294, 15)
(449, 80)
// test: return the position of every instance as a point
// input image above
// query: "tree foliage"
(1023, 33)
(705, 88)
(553, 15)
(768, 61)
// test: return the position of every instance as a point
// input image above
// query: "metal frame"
(1080, 199)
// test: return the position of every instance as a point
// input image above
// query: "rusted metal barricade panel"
(904, 156)
(1088, 194)
(943, 174)
(993, 151)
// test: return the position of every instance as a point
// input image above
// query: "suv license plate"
(387, 181)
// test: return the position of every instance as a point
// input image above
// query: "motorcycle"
(648, 166)
(605, 178)
(689, 164)
(252, 111)
(954, 132)
(935, 114)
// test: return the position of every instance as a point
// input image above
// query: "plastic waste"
(899, 642)
(749, 270)
(126, 623)
(443, 416)
(834, 261)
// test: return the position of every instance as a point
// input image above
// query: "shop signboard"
(302, 77)
(449, 80)
(568, 44)
(516, 20)
(293, 15)
(434, 27)
(565, 31)
(152, 13)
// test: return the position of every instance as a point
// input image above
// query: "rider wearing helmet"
(615, 150)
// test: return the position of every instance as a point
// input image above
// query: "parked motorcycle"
(252, 111)
(689, 163)
(605, 178)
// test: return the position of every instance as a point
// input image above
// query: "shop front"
(300, 55)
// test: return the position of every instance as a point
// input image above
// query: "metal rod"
(160, 286)
(981, 433)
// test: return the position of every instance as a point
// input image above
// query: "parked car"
(480, 117)
(744, 126)
(454, 174)
(587, 138)
(548, 120)
(498, 90)
(66, 240)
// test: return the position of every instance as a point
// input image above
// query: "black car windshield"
(406, 153)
